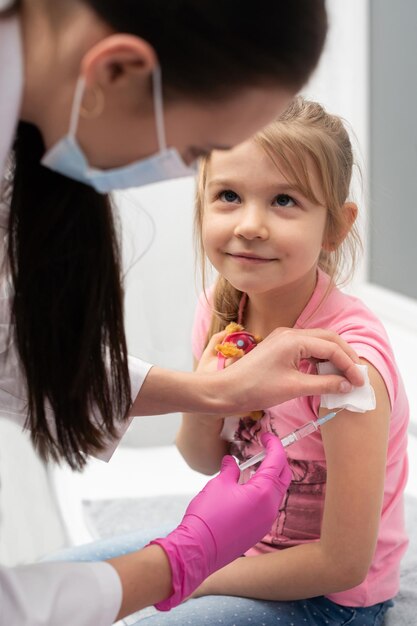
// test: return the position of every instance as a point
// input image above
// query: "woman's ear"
(333, 240)
(118, 58)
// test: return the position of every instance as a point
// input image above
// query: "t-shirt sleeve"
(201, 324)
(373, 345)
(138, 370)
(359, 327)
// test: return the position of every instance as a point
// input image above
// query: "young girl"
(274, 220)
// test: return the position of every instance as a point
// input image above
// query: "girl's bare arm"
(356, 447)
(199, 441)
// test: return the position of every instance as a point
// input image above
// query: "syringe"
(288, 440)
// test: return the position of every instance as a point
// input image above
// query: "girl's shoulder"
(360, 327)
(333, 309)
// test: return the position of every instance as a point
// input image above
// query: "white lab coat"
(58, 594)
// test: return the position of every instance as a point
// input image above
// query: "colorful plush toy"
(236, 344)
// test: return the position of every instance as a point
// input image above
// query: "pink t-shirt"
(300, 516)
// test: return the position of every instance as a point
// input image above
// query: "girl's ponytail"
(68, 306)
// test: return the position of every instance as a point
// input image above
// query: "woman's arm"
(356, 447)
(266, 376)
(145, 577)
(206, 539)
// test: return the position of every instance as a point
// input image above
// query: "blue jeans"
(227, 610)
(231, 611)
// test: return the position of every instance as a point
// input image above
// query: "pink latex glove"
(224, 520)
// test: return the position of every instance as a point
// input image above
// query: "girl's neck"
(281, 308)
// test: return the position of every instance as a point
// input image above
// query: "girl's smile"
(249, 258)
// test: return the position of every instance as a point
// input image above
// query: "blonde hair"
(304, 133)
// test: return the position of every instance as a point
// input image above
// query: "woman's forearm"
(265, 377)
(200, 444)
(170, 391)
(146, 578)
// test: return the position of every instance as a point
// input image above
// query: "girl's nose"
(252, 224)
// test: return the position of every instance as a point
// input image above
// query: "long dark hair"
(210, 47)
(68, 306)
(63, 250)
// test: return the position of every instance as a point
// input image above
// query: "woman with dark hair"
(92, 94)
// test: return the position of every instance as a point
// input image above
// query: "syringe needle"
(291, 438)
(253, 460)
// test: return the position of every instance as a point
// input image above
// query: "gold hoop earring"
(98, 107)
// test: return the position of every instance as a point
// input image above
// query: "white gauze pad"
(360, 399)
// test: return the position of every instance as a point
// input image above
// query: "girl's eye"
(284, 200)
(228, 196)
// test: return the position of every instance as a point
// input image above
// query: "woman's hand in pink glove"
(224, 520)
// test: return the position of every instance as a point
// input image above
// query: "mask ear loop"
(159, 107)
(76, 106)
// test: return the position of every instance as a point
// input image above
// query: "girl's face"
(259, 231)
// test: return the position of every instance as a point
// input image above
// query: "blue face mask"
(67, 157)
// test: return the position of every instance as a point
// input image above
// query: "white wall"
(341, 84)
(161, 289)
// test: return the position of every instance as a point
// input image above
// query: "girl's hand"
(208, 361)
